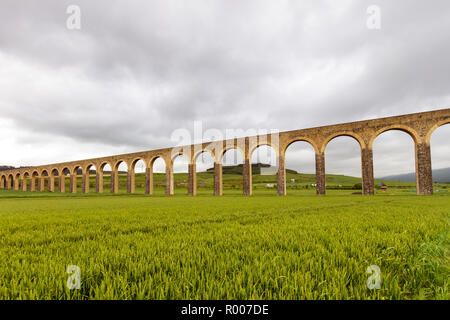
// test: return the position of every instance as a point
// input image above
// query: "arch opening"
(180, 172)
(264, 166)
(105, 170)
(139, 176)
(119, 179)
(158, 166)
(440, 160)
(232, 170)
(394, 162)
(343, 170)
(300, 166)
(204, 166)
(91, 179)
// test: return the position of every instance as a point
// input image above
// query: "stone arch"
(10, 181)
(33, 180)
(102, 180)
(255, 146)
(433, 128)
(25, 178)
(439, 151)
(2, 181)
(228, 148)
(168, 174)
(410, 131)
(350, 134)
(203, 181)
(394, 153)
(115, 175)
(86, 181)
(52, 182)
(44, 175)
(197, 153)
(154, 158)
(264, 174)
(343, 155)
(132, 174)
(182, 174)
(16, 181)
(298, 139)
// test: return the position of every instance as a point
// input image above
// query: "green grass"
(300, 246)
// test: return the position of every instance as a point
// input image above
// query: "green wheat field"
(300, 246)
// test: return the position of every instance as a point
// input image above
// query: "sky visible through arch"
(136, 71)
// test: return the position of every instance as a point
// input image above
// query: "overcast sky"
(138, 70)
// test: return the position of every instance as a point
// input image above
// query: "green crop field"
(300, 246)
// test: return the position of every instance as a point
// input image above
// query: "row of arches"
(121, 174)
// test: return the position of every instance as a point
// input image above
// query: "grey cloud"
(138, 70)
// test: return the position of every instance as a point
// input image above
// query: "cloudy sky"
(136, 71)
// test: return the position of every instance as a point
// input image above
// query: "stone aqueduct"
(419, 126)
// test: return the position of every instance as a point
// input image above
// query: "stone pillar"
(149, 180)
(131, 181)
(73, 183)
(192, 180)
(51, 183)
(218, 187)
(41, 184)
(99, 181)
(281, 176)
(320, 173)
(367, 171)
(16, 183)
(85, 183)
(114, 181)
(169, 180)
(24, 184)
(247, 178)
(424, 176)
(62, 183)
(32, 184)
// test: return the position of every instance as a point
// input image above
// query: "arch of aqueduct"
(419, 126)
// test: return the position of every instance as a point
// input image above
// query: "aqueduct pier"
(419, 126)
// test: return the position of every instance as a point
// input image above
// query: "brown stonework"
(51, 184)
(62, 183)
(320, 173)
(281, 177)
(247, 178)
(218, 179)
(99, 182)
(424, 179)
(169, 180)
(73, 183)
(148, 181)
(114, 181)
(130, 181)
(419, 126)
(192, 180)
(85, 183)
(24, 183)
(367, 171)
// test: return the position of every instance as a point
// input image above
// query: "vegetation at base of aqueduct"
(230, 247)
